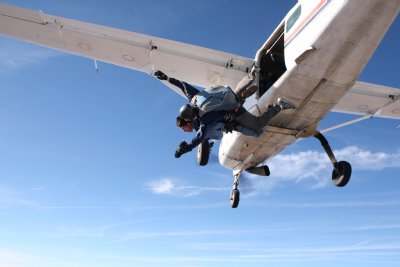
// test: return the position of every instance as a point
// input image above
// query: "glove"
(229, 127)
(229, 117)
(178, 154)
(182, 149)
(160, 75)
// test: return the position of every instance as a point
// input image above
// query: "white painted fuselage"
(326, 48)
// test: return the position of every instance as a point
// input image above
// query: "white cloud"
(317, 203)
(99, 231)
(257, 253)
(367, 160)
(170, 187)
(311, 167)
(164, 186)
(316, 167)
(10, 197)
(379, 227)
(147, 235)
(351, 252)
(14, 258)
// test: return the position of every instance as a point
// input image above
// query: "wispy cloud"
(311, 167)
(350, 252)
(257, 252)
(309, 163)
(379, 227)
(10, 197)
(146, 235)
(367, 160)
(170, 187)
(99, 231)
(378, 253)
(15, 54)
(329, 204)
(14, 258)
(314, 167)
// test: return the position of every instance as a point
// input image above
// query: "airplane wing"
(196, 65)
(371, 99)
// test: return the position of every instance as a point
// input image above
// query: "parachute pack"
(215, 99)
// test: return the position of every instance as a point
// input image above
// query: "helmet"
(187, 112)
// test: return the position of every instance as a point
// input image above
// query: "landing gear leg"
(341, 170)
(235, 194)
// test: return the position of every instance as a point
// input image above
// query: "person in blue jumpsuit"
(213, 131)
(211, 124)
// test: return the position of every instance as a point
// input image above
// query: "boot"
(285, 104)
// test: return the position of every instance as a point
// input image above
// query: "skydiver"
(218, 105)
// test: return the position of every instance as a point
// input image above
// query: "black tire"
(203, 153)
(235, 197)
(341, 173)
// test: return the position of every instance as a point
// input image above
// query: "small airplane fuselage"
(326, 44)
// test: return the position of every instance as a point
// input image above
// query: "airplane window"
(293, 18)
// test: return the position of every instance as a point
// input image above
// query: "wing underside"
(371, 100)
(197, 65)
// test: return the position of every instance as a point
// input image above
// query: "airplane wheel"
(341, 173)
(203, 153)
(235, 196)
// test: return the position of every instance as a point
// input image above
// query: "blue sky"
(88, 177)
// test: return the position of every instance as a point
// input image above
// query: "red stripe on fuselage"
(305, 21)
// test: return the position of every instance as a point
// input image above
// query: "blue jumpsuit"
(210, 125)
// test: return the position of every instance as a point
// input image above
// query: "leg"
(257, 123)
(247, 86)
(247, 131)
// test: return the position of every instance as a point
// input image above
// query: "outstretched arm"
(198, 139)
(186, 88)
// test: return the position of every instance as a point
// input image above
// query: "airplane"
(325, 45)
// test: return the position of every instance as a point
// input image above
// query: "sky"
(88, 175)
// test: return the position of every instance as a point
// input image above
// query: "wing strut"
(393, 99)
(369, 116)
